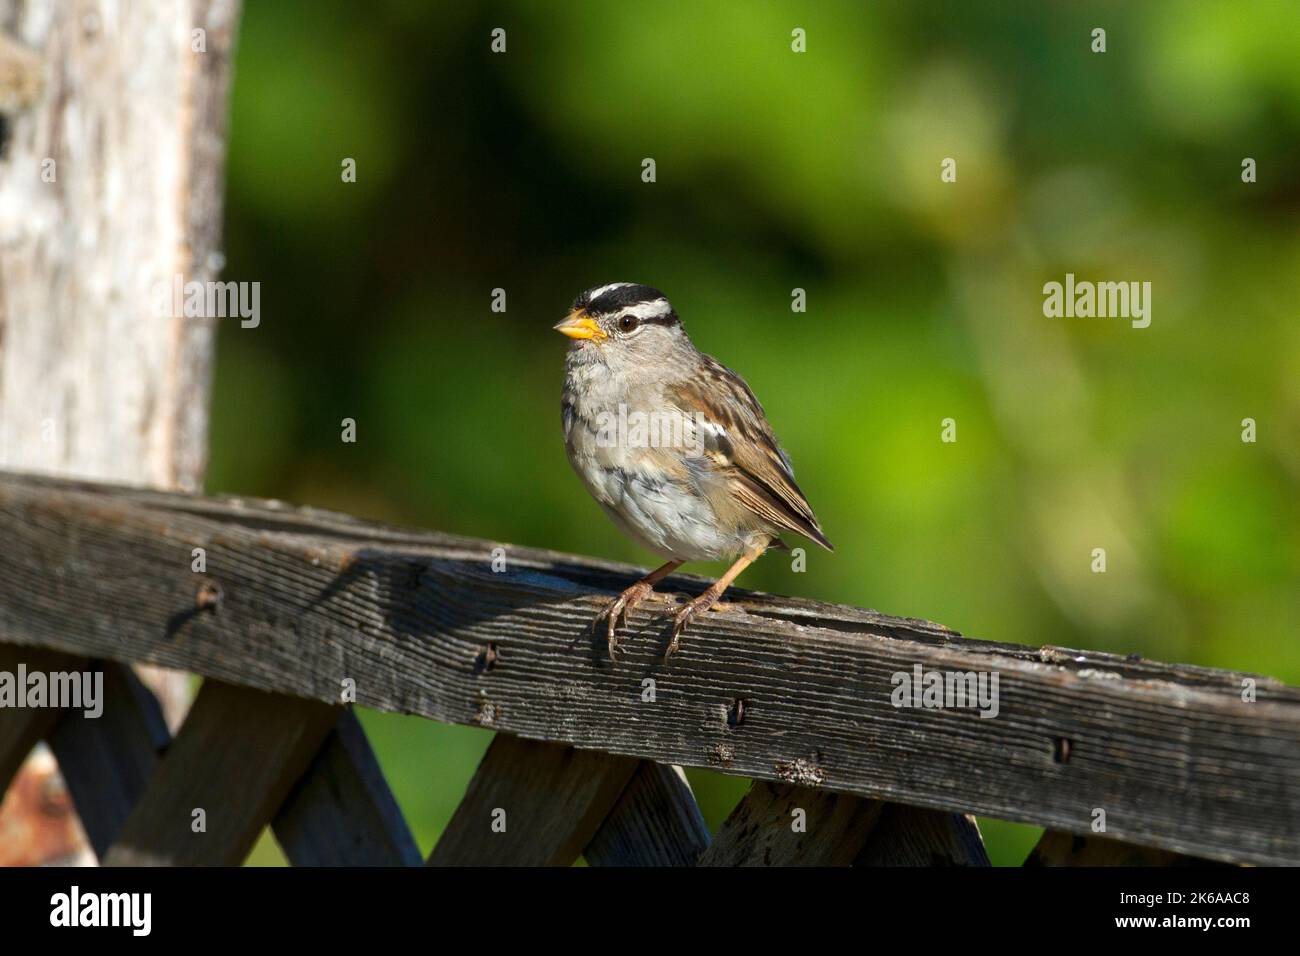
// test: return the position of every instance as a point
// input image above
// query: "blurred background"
(779, 170)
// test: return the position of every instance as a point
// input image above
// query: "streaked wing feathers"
(739, 445)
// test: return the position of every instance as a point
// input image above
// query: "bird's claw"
(679, 624)
(610, 616)
(682, 618)
(706, 601)
(622, 607)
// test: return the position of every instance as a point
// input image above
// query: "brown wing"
(739, 446)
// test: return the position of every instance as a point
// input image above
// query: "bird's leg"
(710, 597)
(633, 596)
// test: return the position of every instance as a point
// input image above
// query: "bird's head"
(625, 323)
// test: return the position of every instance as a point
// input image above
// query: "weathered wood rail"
(304, 604)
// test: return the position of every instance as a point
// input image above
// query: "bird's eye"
(628, 322)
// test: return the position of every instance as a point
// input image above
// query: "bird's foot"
(702, 603)
(623, 605)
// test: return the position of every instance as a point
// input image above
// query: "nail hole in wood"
(1061, 750)
(736, 713)
(208, 596)
(486, 659)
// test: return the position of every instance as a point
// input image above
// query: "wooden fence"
(297, 610)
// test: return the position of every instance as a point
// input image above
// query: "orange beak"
(579, 325)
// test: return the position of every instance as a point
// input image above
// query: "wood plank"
(236, 757)
(22, 728)
(549, 798)
(656, 822)
(309, 596)
(107, 761)
(1055, 848)
(762, 830)
(915, 836)
(341, 813)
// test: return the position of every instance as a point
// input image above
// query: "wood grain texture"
(308, 598)
(341, 813)
(916, 836)
(1070, 849)
(22, 77)
(784, 825)
(237, 756)
(107, 761)
(92, 382)
(656, 822)
(550, 799)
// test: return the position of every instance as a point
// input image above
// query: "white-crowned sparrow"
(673, 445)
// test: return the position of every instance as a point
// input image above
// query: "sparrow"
(672, 445)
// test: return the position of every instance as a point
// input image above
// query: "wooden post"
(110, 184)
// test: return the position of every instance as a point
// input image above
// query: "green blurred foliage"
(779, 170)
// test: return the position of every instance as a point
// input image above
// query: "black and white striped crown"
(647, 302)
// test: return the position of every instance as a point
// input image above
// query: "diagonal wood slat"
(916, 836)
(1055, 848)
(22, 728)
(553, 798)
(38, 824)
(341, 813)
(236, 757)
(656, 822)
(761, 829)
(107, 761)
